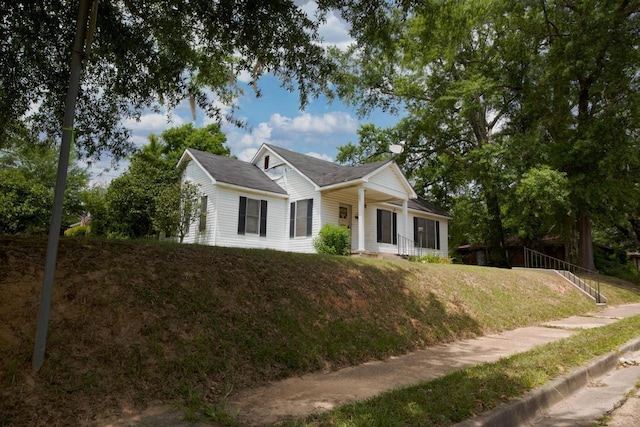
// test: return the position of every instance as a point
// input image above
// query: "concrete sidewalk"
(298, 397)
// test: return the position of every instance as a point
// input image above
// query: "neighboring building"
(477, 254)
(281, 199)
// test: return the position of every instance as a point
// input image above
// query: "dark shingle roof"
(322, 172)
(421, 204)
(237, 172)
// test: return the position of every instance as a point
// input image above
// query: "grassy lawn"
(466, 393)
(138, 322)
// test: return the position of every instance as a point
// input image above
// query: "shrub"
(78, 231)
(333, 240)
(432, 259)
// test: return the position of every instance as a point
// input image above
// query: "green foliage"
(78, 231)
(616, 263)
(373, 146)
(431, 259)
(539, 205)
(333, 240)
(95, 204)
(175, 140)
(147, 55)
(525, 106)
(24, 205)
(132, 199)
(28, 169)
(177, 207)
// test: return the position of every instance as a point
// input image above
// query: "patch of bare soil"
(135, 326)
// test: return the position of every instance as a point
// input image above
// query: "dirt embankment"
(136, 323)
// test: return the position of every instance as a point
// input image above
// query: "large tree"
(493, 91)
(148, 54)
(590, 87)
(444, 66)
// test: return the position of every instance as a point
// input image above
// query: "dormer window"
(266, 162)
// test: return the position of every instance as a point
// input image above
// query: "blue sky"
(273, 118)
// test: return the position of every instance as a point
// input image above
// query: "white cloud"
(335, 32)
(139, 140)
(154, 122)
(247, 154)
(328, 123)
(304, 133)
(320, 156)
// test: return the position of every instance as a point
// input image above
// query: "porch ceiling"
(370, 195)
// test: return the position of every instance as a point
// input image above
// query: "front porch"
(384, 222)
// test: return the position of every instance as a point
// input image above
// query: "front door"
(344, 217)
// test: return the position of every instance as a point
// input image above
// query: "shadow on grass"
(447, 400)
(137, 321)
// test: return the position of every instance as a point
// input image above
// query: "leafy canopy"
(28, 169)
(147, 55)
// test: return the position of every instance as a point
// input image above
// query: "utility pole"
(84, 33)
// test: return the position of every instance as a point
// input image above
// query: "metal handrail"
(407, 247)
(579, 276)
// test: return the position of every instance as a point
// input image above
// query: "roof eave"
(193, 159)
(251, 190)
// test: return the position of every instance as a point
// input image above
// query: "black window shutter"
(309, 217)
(379, 226)
(438, 235)
(263, 217)
(395, 228)
(292, 221)
(415, 231)
(242, 214)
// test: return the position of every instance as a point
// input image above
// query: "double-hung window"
(301, 218)
(387, 227)
(252, 216)
(203, 214)
(426, 233)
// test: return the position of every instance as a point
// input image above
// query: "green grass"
(134, 322)
(466, 393)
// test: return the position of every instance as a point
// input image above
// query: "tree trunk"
(497, 256)
(585, 242)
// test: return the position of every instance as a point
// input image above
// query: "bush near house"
(431, 259)
(78, 231)
(333, 240)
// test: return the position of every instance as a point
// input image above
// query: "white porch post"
(405, 218)
(361, 219)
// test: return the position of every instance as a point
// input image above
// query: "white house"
(281, 199)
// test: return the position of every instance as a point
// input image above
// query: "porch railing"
(587, 280)
(407, 247)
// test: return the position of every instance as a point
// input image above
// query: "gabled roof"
(322, 172)
(232, 171)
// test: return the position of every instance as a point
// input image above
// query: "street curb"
(524, 409)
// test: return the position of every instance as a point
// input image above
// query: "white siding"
(387, 179)
(330, 211)
(223, 210)
(195, 174)
(299, 188)
(371, 224)
(228, 210)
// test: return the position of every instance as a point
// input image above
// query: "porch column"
(405, 218)
(361, 219)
